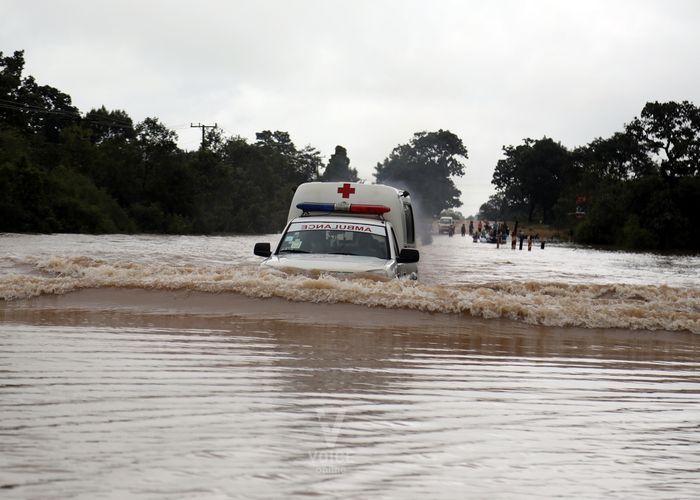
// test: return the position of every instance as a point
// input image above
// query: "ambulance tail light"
(343, 207)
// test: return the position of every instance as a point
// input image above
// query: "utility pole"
(203, 127)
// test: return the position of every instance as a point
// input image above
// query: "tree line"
(98, 172)
(638, 188)
(62, 171)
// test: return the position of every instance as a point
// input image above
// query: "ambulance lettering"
(335, 227)
(350, 227)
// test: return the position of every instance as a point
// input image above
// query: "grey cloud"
(367, 74)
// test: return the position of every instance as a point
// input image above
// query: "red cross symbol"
(346, 190)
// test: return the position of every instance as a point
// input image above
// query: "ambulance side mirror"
(262, 250)
(408, 256)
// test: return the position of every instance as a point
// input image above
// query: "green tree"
(11, 114)
(214, 139)
(31, 107)
(25, 198)
(165, 188)
(296, 166)
(494, 208)
(109, 125)
(307, 164)
(157, 146)
(670, 131)
(425, 167)
(620, 157)
(338, 168)
(498, 208)
(533, 174)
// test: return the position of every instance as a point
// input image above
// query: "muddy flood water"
(172, 367)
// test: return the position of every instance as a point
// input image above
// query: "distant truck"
(445, 225)
(346, 227)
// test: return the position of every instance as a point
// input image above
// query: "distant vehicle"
(445, 225)
(347, 228)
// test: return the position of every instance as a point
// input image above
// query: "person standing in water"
(471, 228)
(464, 230)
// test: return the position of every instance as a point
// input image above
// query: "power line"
(18, 106)
(203, 127)
(30, 108)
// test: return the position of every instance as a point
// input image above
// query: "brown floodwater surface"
(144, 393)
(161, 367)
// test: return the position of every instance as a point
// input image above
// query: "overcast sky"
(368, 74)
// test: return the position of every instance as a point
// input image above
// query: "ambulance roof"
(349, 193)
(340, 197)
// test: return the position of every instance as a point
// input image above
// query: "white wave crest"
(551, 304)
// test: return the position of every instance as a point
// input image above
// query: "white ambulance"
(346, 227)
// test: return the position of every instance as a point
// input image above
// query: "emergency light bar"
(343, 207)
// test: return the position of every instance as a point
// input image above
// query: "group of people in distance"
(498, 232)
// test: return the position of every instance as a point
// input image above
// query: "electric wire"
(30, 108)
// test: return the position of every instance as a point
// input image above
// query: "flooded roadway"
(113, 394)
(157, 367)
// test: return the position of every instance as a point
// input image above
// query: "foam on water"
(594, 305)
